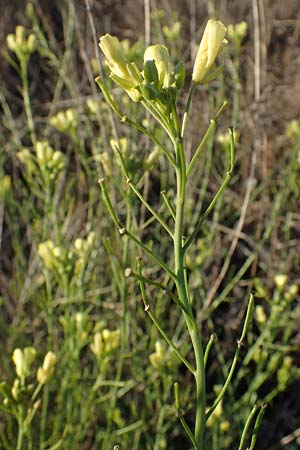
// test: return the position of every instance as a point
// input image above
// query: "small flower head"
(237, 32)
(50, 161)
(46, 252)
(172, 33)
(211, 44)
(105, 342)
(65, 121)
(19, 44)
(55, 258)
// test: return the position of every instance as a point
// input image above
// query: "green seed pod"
(150, 72)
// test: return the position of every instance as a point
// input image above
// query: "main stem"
(183, 295)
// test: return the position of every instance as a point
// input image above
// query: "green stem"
(158, 325)
(168, 204)
(179, 414)
(216, 197)
(235, 358)
(187, 109)
(208, 347)
(209, 131)
(26, 99)
(182, 290)
(157, 259)
(257, 425)
(20, 429)
(131, 122)
(164, 288)
(158, 117)
(247, 426)
(123, 231)
(149, 207)
(139, 195)
(205, 138)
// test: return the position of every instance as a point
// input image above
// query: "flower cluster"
(20, 44)
(55, 257)
(158, 81)
(105, 342)
(65, 121)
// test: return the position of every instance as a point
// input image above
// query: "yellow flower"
(210, 45)
(124, 73)
(116, 59)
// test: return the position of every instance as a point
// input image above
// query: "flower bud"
(280, 281)
(97, 344)
(210, 45)
(260, 314)
(11, 42)
(16, 389)
(20, 35)
(31, 43)
(45, 250)
(45, 372)
(113, 51)
(23, 360)
(58, 160)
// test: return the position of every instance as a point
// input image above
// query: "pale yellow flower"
(116, 59)
(210, 45)
(123, 72)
